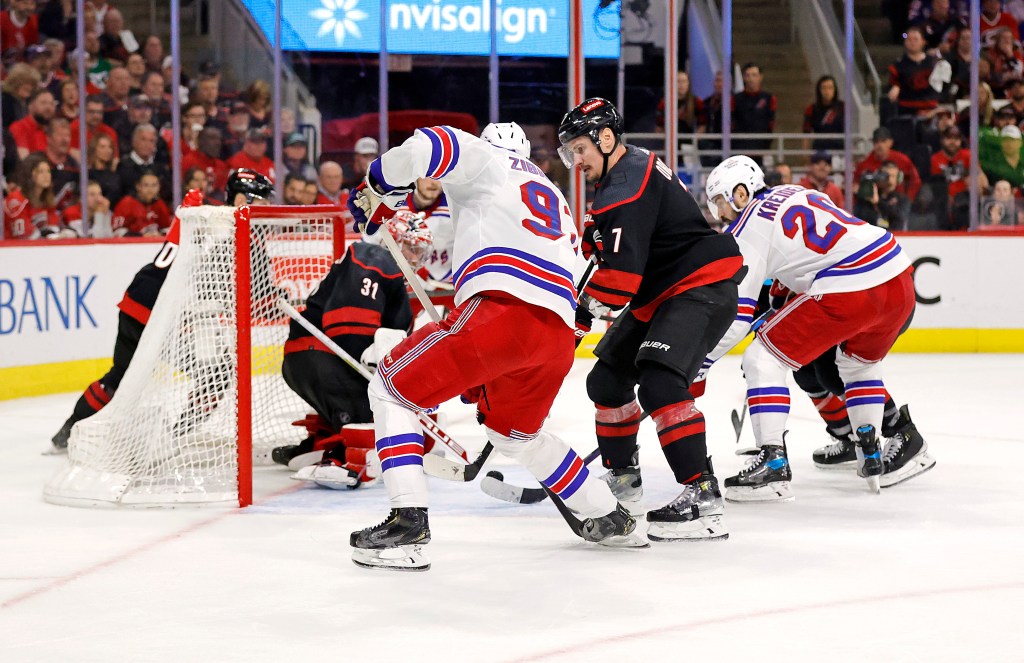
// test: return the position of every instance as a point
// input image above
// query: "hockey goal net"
(203, 398)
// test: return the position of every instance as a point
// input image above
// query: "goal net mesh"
(170, 435)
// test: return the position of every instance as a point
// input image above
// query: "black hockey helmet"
(588, 119)
(247, 181)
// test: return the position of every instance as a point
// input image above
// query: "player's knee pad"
(853, 370)
(605, 387)
(762, 367)
(661, 386)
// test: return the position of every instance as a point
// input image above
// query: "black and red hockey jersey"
(142, 292)
(655, 243)
(363, 291)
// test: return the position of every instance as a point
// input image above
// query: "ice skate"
(288, 454)
(329, 474)
(696, 514)
(840, 455)
(60, 440)
(869, 457)
(395, 544)
(766, 478)
(906, 453)
(616, 530)
(626, 485)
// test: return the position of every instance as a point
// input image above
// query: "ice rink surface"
(931, 570)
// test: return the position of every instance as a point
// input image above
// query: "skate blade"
(55, 451)
(635, 539)
(402, 558)
(747, 451)
(916, 467)
(850, 465)
(777, 491)
(874, 484)
(709, 528)
(305, 460)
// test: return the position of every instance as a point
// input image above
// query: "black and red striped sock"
(682, 435)
(617, 428)
(832, 410)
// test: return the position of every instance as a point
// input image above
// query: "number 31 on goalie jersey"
(543, 205)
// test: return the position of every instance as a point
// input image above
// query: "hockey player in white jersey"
(510, 337)
(856, 292)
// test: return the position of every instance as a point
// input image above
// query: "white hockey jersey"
(800, 238)
(513, 230)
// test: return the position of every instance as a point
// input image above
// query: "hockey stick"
(429, 425)
(494, 483)
(738, 419)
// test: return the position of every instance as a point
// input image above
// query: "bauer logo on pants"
(655, 345)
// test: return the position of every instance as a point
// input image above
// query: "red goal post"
(203, 398)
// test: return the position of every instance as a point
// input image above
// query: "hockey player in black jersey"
(245, 187)
(362, 305)
(657, 254)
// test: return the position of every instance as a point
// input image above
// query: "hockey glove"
(700, 382)
(194, 198)
(370, 205)
(584, 322)
(595, 307)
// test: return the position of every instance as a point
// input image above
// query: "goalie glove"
(370, 205)
(384, 341)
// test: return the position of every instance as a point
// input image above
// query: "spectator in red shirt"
(910, 77)
(254, 155)
(142, 213)
(93, 125)
(993, 19)
(819, 178)
(195, 178)
(951, 166)
(331, 192)
(881, 151)
(207, 159)
(1006, 61)
(29, 211)
(30, 131)
(19, 25)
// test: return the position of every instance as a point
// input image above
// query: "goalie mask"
(411, 234)
(253, 185)
(509, 136)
